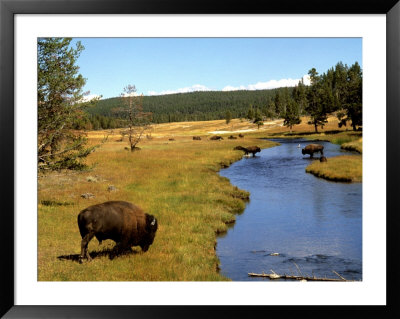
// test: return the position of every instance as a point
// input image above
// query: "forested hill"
(197, 106)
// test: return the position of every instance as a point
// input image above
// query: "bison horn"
(153, 222)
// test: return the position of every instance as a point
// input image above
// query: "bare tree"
(138, 120)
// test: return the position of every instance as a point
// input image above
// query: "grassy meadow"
(175, 180)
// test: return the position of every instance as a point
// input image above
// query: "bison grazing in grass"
(313, 148)
(248, 150)
(123, 222)
(216, 138)
(197, 138)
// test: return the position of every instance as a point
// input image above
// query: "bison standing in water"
(123, 222)
(250, 149)
(313, 148)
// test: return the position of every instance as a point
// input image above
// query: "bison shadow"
(106, 252)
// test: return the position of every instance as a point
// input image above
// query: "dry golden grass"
(355, 146)
(177, 181)
(236, 126)
(345, 168)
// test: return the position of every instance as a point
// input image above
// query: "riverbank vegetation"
(344, 168)
(355, 146)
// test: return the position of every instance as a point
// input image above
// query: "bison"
(313, 148)
(323, 159)
(196, 138)
(216, 137)
(123, 222)
(232, 137)
(250, 149)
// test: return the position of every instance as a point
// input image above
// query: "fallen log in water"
(274, 275)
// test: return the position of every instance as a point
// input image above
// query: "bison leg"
(118, 249)
(84, 247)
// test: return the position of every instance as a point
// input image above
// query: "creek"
(294, 222)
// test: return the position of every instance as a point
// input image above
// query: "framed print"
(74, 247)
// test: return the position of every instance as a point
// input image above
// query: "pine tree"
(228, 117)
(352, 101)
(278, 101)
(250, 113)
(258, 118)
(299, 95)
(316, 107)
(59, 95)
(292, 116)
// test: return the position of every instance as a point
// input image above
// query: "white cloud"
(272, 84)
(88, 97)
(130, 94)
(193, 88)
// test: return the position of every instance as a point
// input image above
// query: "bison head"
(151, 228)
(303, 151)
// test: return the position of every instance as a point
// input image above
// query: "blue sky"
(168, 65)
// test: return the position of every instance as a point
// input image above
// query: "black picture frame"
(9, 8)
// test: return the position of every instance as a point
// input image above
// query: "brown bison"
(241, 135)
(216, 137)
(123, 222)
(313, 148)
(232, 137)
(250, 149)
(198, 138)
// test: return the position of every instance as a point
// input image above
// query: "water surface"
(313, 224)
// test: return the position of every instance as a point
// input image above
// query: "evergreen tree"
(292, 116)
(278, 101)
(228, 117)
(352, 101)
(316, 107)
(59, 96)
(299, 95)
(258, 118)
(340, 84)
(250, 113)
